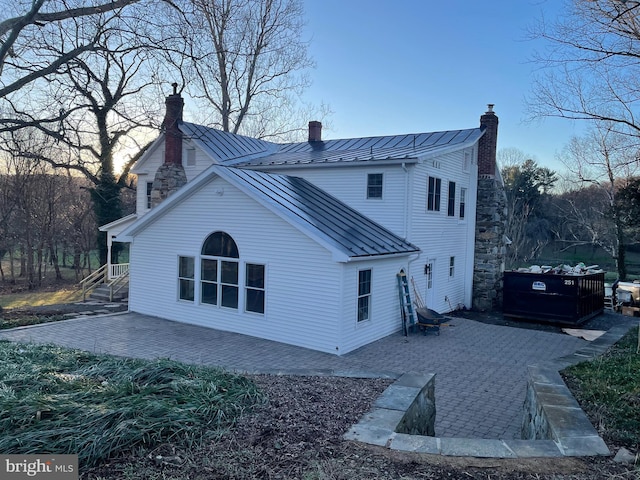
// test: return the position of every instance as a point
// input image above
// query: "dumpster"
(568, 299)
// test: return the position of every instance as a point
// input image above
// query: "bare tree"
(248, 62)
(605, 159)
(23, 64)
(527, 187)
(591, 71)
(106, 97)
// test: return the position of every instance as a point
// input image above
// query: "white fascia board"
(119, 222)
(380, 257)
(358, 163)
(136, 169)
(169, 203)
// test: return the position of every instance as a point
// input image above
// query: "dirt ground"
(297, 434)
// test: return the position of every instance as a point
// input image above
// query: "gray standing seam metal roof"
(347, 229)
(225, 146)
(237, 150)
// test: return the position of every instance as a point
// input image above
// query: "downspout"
(407, 216)
(405, 227)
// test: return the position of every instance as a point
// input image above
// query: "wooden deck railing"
(92, 281)
(117, 278)
(118, 269)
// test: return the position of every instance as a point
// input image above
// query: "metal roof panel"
(324, 215)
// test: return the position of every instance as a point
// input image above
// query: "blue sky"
(408, 66)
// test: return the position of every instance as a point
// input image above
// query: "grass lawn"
(608, 389)
(57, 400)
(39, 298)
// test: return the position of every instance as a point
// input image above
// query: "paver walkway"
(480, 368)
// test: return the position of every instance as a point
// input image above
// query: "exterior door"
(429, 271)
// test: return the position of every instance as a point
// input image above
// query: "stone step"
(101, 293)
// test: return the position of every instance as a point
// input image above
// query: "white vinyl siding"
(303, 280)
(439, 238)
(384, 304)
(348, 184)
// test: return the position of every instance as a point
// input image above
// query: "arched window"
(219, 271)
(220, 244)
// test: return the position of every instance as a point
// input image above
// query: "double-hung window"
(254, 288)
(149, 189)
(364, 295)
(374, 185)
(451, 203)
(433, 194)
(463, 200)
(186, 278)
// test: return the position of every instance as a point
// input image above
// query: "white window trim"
(195, 279)
(366, 192)
(244, 288)
(369, 295)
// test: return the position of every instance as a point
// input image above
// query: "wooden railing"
(118, 269)
(100, 276)
(92, 281)
(119, 283)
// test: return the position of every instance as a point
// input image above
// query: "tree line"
(545, 209)
(82, 82)
(47, 223)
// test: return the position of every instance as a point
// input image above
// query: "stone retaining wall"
(554, 425)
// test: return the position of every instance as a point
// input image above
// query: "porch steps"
(101, 294)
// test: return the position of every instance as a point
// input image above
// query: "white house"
(302, 242)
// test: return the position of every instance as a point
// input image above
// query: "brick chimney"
(172, 118)
(488, 143)
(170, 176)
(315, 131)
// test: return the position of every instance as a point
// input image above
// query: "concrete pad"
(583, 446)
(416, 443)
(533, 448)
(370, 434)
(566, 422)
(475, 447)
(544, 374)
(396, 397)
(382, 418)
(564, 399)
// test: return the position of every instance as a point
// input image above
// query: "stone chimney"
(491, 221)
(315, 131)
(170, 176)
(488, 144)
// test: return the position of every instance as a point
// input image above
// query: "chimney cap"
(490, 107)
